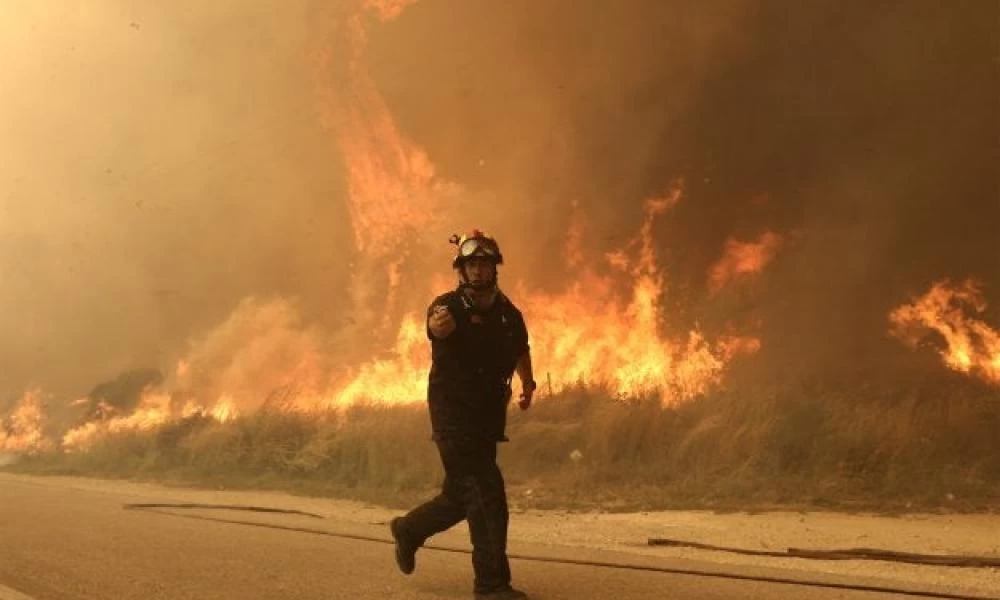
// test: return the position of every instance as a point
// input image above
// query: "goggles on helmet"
(478, 247)
(476, 244)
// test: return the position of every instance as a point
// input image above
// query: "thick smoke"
(866, 133)
(159, 162)
(163, 161)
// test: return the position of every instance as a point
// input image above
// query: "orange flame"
(224, 410)
(22, 431)
(590, 334)
(593, 335)
(743, 259)
(392, 187)
(259, 350)
(972, 346)
(391, 181)
(153, 410)
(398, 380)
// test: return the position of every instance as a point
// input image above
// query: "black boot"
(507, 593)
(406, 551)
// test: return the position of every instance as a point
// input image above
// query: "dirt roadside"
(627, 532)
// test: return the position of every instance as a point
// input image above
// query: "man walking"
(478, 341)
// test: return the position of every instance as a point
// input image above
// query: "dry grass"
(928, 446)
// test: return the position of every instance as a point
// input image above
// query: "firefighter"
(478, 341)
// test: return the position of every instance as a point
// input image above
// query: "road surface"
(58, 542)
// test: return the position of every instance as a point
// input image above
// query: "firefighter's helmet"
(475, 244)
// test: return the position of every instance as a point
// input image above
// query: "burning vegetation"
(631, 389)
(971, 346)
(22, 431)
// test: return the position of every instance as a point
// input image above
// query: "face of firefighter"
(480, 272)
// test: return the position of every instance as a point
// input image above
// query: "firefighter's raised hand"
(441, 322)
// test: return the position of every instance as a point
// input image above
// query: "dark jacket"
(469, 385)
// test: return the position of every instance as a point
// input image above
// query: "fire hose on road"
(854, 554)
(938, 560)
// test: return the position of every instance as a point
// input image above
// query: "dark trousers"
(473, 491)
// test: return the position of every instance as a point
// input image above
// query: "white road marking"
(7, 593)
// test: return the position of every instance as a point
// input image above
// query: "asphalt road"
(60, 543)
